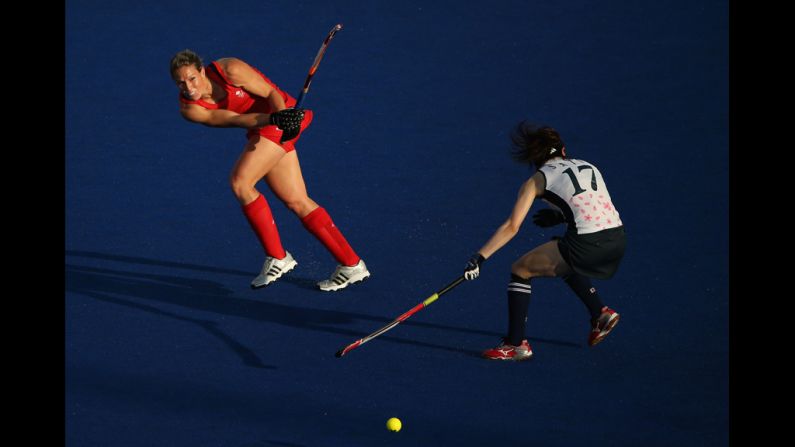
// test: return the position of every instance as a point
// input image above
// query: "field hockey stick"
(401, 318)
(313, 68)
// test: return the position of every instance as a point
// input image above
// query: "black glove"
(289, 121)
(548, 217)
(472, 269)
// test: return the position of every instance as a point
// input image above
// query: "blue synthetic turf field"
(165, 343)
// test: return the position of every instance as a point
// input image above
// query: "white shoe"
(344, 276)
(273, 269)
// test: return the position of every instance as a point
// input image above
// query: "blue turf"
(167, 346)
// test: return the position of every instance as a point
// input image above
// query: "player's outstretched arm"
(527, 194)
(223, 118)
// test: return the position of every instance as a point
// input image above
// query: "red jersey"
(238, 100)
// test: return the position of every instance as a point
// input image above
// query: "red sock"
(259, 216)
(319, 223)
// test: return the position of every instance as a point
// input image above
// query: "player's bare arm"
(527, 194)
(240, 74)
(222, 117)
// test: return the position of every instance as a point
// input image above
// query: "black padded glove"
(289, 121)
(472, 269)
(548, 218)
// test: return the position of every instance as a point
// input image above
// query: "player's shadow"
(304, 283)
(247, 355)
(117, 286)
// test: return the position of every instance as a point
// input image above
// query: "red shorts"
(273, 133)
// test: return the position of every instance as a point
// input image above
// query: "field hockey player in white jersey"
(592, 246)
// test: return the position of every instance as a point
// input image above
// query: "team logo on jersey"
(239, 93)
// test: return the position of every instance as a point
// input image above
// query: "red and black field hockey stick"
(400, 319)
(315, 64)
(313, 69)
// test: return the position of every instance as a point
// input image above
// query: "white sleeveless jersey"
(576, 188)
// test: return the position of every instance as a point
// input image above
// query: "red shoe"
(509, 352)
(602, 326)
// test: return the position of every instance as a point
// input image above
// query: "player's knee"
(521, 272)
(518, 269)
(240, 185)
